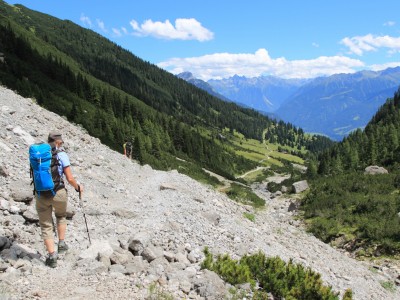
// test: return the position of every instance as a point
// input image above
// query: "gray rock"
(23, 251)
(3, 266)
(4, 204)
(300, 186)
(185, 286)
(70, 212)
(123, 213)
(13, 220)
(293, 206)
(167, 186)
(136, 266)
(374, 170)
(3, 171)
(169, 256)
(31, 215)
(104, 259)
(5, 243)
(117, 268)
(213, 217)
(97, 248)
(210, 286)
(21, 191)
(121, 257)
(139, 242)
(182, 258)
(14, 209)
(150, 253)
(25, 266)
(158, 267)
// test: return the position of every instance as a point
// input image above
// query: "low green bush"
(283, 280)
(243, 194)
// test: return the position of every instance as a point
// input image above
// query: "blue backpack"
(44, 169)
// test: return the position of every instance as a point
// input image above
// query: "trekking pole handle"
(79, 191)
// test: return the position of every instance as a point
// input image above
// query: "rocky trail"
(148, 228)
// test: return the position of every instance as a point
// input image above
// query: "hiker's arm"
(71, 179)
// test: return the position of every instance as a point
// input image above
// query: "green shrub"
(273, 275)
(249, 216)
(388, 285)
(348, 295)
(230, 270)
(244, 195)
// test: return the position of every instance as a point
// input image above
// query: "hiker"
(46, 201)
(128, 149)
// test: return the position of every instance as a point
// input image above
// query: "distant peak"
(186, 75)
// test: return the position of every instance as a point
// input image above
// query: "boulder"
(151, 253)
(300, 186)
(97, 248)
(137, 266)
(121, 257)
(31, 215)
(21, 191)
(139, 242)
(5, 243)
(293, 206)
(210, 286)
(373, 170)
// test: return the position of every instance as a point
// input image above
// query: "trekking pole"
(54, 225)
(84, 215)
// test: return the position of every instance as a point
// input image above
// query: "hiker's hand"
(79, 189)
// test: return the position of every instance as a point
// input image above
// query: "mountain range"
(334, 106)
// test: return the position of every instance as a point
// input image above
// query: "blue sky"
(221, 38)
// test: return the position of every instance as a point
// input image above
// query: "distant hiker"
(128, 149)
(55, 198)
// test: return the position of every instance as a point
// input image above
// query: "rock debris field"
(148, 228)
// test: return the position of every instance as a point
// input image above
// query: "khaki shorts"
(44, 206)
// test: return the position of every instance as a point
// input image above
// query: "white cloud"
(101, 25)
(184, 29)
(389, 23)
(360, 44)
(86, 21)
(316, 45)
(385, 66)
(117, 32)
(222, 65)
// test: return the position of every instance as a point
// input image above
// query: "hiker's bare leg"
(61, 229)
(49, 243)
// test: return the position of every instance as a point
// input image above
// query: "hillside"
(115, 95)
(378, 144)
(172, 216)
(351, 204)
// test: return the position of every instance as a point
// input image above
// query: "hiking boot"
(51, 260)
(62, 247)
